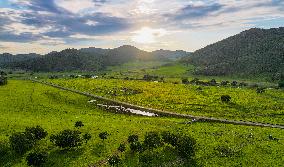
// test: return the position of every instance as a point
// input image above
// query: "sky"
(42, 26)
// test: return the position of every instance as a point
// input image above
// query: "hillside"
(8, 58)
(254, 52)
(89, 59)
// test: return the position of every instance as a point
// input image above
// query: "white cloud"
(75, 6)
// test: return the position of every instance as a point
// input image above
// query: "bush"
(36, 159)
(225, 98)
(37, 133)
(67, 139)
(184, 81)
(224, 83)
(87, 137)
(114, 160)
(147, 158)
(234, 83)
(186, 147)
(4, 149)
(79, 124)
(260, 90)
(103, 135)
(136, 147)
(21, 143)
(213, 82)
(152, 140)
(170, 138)
(122, 148)
(281, 84)
(132, 138)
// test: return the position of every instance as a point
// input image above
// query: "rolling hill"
(252, 52)
(89, 59)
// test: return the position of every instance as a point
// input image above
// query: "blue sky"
(42, 26)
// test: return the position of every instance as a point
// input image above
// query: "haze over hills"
(86, 59)
(254, 51)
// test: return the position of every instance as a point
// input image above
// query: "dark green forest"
(252, 52)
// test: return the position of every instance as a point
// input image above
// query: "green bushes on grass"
(67, 139)
(36, 158)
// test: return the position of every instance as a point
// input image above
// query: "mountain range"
(85, 59)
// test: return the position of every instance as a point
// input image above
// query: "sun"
(147, 35)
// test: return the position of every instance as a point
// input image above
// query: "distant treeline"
(87, 59)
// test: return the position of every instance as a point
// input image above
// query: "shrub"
(243, 84)
(170, 138)
(186, 147)
(67, 139)
(281, 84)
(260, 90)
(132, 138)
(37, 133)
(114, 160)
(184, 81)
(213, 82)
(79, 124)
(37, 159)
(122, 148)
(147, 158)
(224, 83)
(87, 137)
(136, 147)
(225, 98)
(103, 135)
(234, 83)
(152, 140)
(4, 149)
(21, 143)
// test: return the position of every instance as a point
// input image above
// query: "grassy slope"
(246, 103)
(23, 103)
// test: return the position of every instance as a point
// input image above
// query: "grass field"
(246, 104)
(23, 103)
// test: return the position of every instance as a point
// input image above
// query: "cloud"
(65, 22)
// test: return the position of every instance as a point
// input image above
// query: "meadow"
(25, 104)
(246, 103)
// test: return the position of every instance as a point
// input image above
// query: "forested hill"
(255, 52)
(87, 59)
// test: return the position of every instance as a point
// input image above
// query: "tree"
(114, 160)
(122, 148)
(79, 124)
(152, 140)
(3, 78)
(132, 138)
(67, 139)
(37, 158)
(36, 133)
(21, 143)
(103, 135)
(184, 81)
(225, 98)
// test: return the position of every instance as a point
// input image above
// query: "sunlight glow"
(147, 35)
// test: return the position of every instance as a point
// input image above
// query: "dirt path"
(163, 113)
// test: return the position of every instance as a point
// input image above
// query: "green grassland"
(246, 103)
(23, 104)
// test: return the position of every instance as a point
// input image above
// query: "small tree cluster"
(3, 78)
(225, 98)
(260, 90)
(37, 158)
(67, 139)
(79, 124)
(22, 142)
